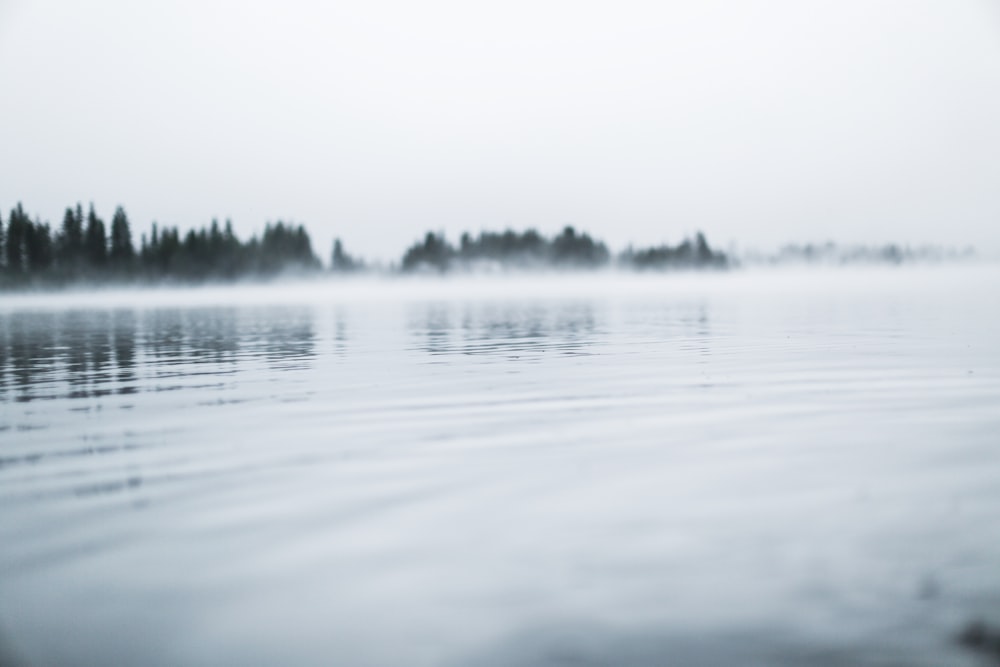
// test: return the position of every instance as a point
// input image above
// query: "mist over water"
(763, 468)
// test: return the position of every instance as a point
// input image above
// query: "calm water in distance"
(760, 468)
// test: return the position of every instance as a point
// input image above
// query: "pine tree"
(79, 219)
(340, 261)
(337, 257)
(16, 230)
(70, 244)
(122, 252)
(38, 246)
(96, 240)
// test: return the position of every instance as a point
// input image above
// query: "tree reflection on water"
(93, 353)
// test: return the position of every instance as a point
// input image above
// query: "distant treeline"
(830, 253)
(82, 249)
(569, 249)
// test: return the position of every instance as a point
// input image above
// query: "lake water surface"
(771, 468)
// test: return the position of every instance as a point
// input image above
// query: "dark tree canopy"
(341, 262)
(16, 247)
(81, 249)
(688, 254)
(570, 249)
(286, 246)
(95, 240)
(435, 253)
(71, 251)
(122, 252)
(508, 249)
(578, 250)
(38, 250)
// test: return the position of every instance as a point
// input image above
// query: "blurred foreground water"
(755, 469)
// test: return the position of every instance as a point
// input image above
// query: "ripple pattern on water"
(606, 477)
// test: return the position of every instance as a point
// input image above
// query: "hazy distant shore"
(33, 255)
(81, 254)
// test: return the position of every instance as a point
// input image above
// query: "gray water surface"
(755, 469)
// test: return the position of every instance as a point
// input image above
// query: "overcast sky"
(759, 121)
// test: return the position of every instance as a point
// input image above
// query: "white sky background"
(759, 122)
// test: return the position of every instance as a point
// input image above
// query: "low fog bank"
(604, 284)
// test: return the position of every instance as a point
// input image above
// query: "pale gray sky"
(759, 122)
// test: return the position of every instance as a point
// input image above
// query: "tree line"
(567, 250)
(82, 247)
(31, 252)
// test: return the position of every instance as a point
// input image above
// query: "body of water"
(759, 468)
